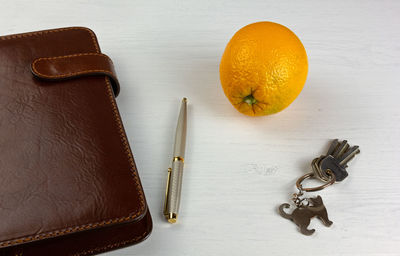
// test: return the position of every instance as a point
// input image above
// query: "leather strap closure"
(75, 66)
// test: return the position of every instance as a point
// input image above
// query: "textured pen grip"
(175, 186)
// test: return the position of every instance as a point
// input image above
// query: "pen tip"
(184, 99)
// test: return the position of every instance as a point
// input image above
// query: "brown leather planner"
(68, 180)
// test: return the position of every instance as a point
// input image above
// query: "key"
(333, 146)
(339, 154)
(329, 163)
(350, 154)
(341, 149)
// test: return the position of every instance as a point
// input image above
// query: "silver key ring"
(311, 175)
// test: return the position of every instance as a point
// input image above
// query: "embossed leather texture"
(68, 181)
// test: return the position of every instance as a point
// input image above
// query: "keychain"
(329, 168)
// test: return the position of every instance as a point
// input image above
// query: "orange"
(263, 69)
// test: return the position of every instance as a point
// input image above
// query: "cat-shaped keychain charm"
(329, 168)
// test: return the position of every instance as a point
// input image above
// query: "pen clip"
(166, 214)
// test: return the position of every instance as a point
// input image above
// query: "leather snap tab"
(75, 66)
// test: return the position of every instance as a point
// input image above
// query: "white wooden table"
(238, 168)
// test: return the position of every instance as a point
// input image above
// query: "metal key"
(339, 154)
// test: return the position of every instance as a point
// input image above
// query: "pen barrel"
(175, 187)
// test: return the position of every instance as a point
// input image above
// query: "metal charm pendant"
(329, 168)
(303, 214)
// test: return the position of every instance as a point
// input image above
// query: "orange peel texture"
(263, 69)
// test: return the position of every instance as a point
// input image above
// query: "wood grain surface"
(239, 168)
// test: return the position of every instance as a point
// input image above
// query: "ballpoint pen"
(175, 173)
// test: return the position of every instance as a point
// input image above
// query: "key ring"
(311, 175)
(329, 169)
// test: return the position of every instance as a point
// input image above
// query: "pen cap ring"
(178, 158)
